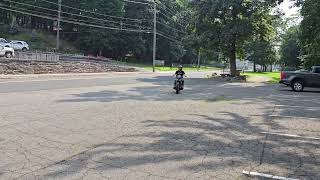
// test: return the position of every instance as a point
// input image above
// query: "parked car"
(298, 80)
(16, 45)
(3, 41)
(19, 45)
(6, 52)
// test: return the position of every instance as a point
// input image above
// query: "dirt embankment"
(36, 67)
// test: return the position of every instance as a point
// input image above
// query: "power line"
(116, 22)
(177, 30)
(79, 15)
(170, 19)
(66, 18)
(49, 15)
(86, 21)
(137, 2)
(20, 3)
(73, 22)
(173, 15)
(91, 12)
(30, 11)
(169, 38)
(168, 10)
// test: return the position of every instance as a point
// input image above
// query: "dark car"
(298, 80)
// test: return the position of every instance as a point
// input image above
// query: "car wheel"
(8, 55)
(297, 86)
(24, 49)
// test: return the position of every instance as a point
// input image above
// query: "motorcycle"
(178, 84)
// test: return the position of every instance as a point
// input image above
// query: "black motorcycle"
(178, 84)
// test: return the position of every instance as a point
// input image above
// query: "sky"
(290, 11)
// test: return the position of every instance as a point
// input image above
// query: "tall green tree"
(290, 48)
(310, 32)
(227, 24)
(261, 53)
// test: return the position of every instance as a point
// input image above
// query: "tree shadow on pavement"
(161, 89)
(218, 147)
(200, 89)
(180, 148)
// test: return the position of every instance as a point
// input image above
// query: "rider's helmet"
(180, 67)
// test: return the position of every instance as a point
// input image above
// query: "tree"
(172, 20)
(227, 24)
(260, 48)
(310, 32)
(290, 48)
(262, 53)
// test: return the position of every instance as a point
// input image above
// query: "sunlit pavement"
(134, 127)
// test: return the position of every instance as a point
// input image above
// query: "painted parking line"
(291, 135)
(303, 107)
(301, 100)
(262, 175)
(294, 97)
(294, 117)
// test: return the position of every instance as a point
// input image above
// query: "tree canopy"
(226, 25)
(290, 49)
(243, 29)
(310, 32)
(113, 28)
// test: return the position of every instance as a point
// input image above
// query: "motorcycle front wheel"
(178, 88)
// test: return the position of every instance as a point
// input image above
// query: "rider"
(182, 74)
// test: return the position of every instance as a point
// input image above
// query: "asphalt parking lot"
(135, 127)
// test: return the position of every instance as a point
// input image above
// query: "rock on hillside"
(36, 67)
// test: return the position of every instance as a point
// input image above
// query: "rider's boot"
(182, 86)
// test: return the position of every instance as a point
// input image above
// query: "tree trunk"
(233, 60)
(254, 66)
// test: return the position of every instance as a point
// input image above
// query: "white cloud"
(289, 9)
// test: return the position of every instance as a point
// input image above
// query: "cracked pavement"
(134, 127)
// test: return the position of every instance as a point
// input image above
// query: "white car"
(6, 52)
(3, 41)
(18, 45)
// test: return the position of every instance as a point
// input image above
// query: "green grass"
(166, 68)
(273, 76)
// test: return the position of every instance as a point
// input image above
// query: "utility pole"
(199, 58)
(58, 25)
(154, 36)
